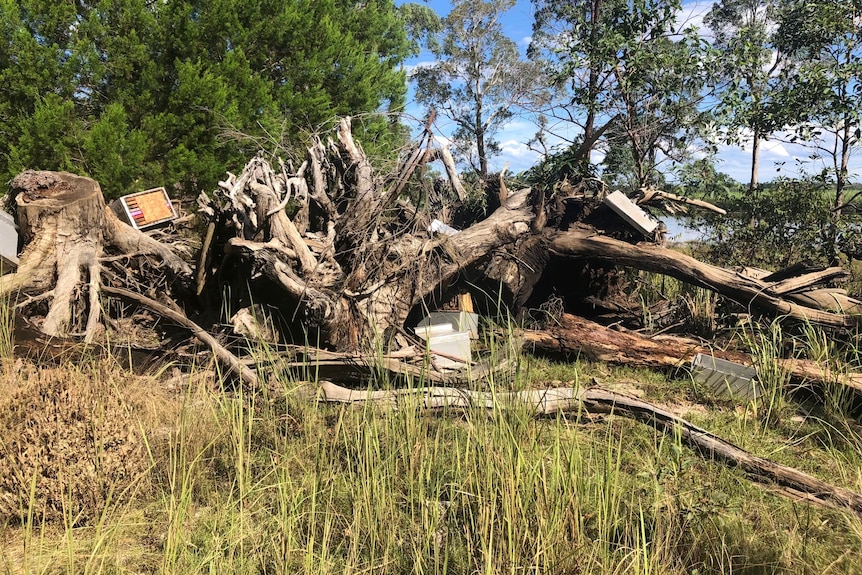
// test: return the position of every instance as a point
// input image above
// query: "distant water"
(678, 231)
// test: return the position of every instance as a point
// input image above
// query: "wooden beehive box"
(148, 208)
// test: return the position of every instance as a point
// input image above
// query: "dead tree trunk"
(67, 231)
(786, 298)
(573, 335)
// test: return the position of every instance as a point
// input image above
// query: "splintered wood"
(349, 262)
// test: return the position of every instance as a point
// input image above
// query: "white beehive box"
(631, 212)
(726, 377)
(443, 339)
(459, 320)
(8, 243)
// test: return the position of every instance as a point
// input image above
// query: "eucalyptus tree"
(822, 87)
(626, 73)
(747, 64)
(479, 79)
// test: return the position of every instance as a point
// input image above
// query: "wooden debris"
(652, 195)
(358, 271)
(596, 400)
(745, 290)
(222, 354)
(577, 336)
(71, 240)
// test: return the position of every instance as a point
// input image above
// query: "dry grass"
(69, 444)
(190, 478)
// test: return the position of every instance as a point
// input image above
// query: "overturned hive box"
(146, 209)
(726, 378)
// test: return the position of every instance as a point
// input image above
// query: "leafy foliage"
(746, 69)
(700, 179)
(136, 93)
(633, 75)
(821, 90)
(479, 80)
(567, 164)
(787, 221)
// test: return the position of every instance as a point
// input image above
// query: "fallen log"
(573, 335)
(224, 356)
(745, 290)
(596, 400)
(407, 366)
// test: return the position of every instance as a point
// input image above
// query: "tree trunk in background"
(755, 160)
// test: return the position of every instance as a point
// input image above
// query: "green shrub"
(785, 222)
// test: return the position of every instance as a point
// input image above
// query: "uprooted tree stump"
(342, 251)
(71, 240)
(355, 258)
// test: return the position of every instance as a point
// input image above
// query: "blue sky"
(732, 160)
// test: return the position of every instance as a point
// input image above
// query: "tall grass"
(766, 345)
(266, 481)
(7, 327)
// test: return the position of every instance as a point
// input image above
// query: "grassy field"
(106, 471)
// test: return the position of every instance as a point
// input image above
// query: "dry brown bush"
(69, 443)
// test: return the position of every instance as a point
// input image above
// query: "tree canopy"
(626, 73)
(747, 66)
(137, 93)
(479, 79)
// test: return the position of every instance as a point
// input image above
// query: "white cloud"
(516, 155)
(692, 14)
(775, 148)
(442, 140)
(410, 69)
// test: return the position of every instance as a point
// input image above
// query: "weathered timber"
(67, 229)
(224, 356)
(573, 335)
(596, 400)
(359, 269)
(801, 282)
(746, 290)
(650, 195)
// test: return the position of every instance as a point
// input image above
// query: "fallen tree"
(574, 336)
(787, 297)
(342, 254)
(355, 258)
(543, 402)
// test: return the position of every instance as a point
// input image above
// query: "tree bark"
(66, 228)
(745, 290)
(755, 160)
(576, 336)
(360, 269)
